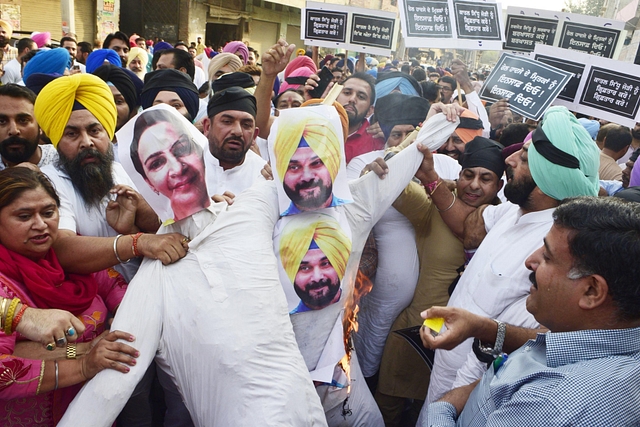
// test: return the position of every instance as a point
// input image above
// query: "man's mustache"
(308, 184)
(318, 284)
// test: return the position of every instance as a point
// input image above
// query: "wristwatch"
(497, 347)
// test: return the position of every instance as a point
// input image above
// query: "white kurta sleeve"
(140, 314)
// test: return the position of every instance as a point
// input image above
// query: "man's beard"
(635, 133)
(318, 301)
(23, 155)
(92, 180)
(311, 202)
(3, 42)
(518, 192)
(454, 154)
(354, 117)
(234, 157)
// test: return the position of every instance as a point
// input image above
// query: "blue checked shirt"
(584, 378)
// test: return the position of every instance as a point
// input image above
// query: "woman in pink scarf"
(37, 385)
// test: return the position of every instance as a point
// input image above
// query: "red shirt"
(361, 142)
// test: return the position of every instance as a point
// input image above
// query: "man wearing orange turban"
(470, 126)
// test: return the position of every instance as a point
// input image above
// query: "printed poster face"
(313, 249)
(163, 154)
(306, 146)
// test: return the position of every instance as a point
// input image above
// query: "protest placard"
(425, 19)
(351, 28)
(605, 88)
(325, 26)
(451, 24)
(589, 39)
(529, 85)
(372, 31)
(570, 90)
(523, 32)
(525, 28)
(477, 21)
(612, 91)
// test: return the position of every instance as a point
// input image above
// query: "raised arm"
(453, 211)
(274, 61)
(374, 195)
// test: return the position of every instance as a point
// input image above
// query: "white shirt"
(81, 66)
(84, 219)
(217, 321)
(263, 146)
(12, 72)
(199, 78)
(49, 156)
(236, 179)
(495, 284)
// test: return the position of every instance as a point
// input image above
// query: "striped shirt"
(582, 378)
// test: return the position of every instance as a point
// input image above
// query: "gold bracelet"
(3, 307)
(10, 313)
(72, 350)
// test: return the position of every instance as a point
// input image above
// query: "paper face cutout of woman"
(165, 154)
(309, 159)
(313, 249)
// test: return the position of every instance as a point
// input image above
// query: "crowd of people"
(521, 237)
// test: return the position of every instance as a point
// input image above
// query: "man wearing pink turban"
(41, 39)
(238, 48)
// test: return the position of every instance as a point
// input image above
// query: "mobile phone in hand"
(326, 76)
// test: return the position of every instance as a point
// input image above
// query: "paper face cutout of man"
(308, 149)
(314, 251)
(165, 154)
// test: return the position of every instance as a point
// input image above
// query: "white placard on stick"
(529, 86)
(525, 28)
(351, 28)
(602, 87)
(460, 24)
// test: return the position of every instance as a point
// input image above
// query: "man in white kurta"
(561, 161)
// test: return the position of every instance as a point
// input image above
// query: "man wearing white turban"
(9, 52)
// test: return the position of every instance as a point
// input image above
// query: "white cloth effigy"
(319, 332)
(397, 272)
(217, 321)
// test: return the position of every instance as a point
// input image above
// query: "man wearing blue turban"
(52, 61)
(97, 58)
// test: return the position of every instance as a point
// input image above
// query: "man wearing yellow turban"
(78, 114)
(308, 160)
(9, 52)
(314, 255)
